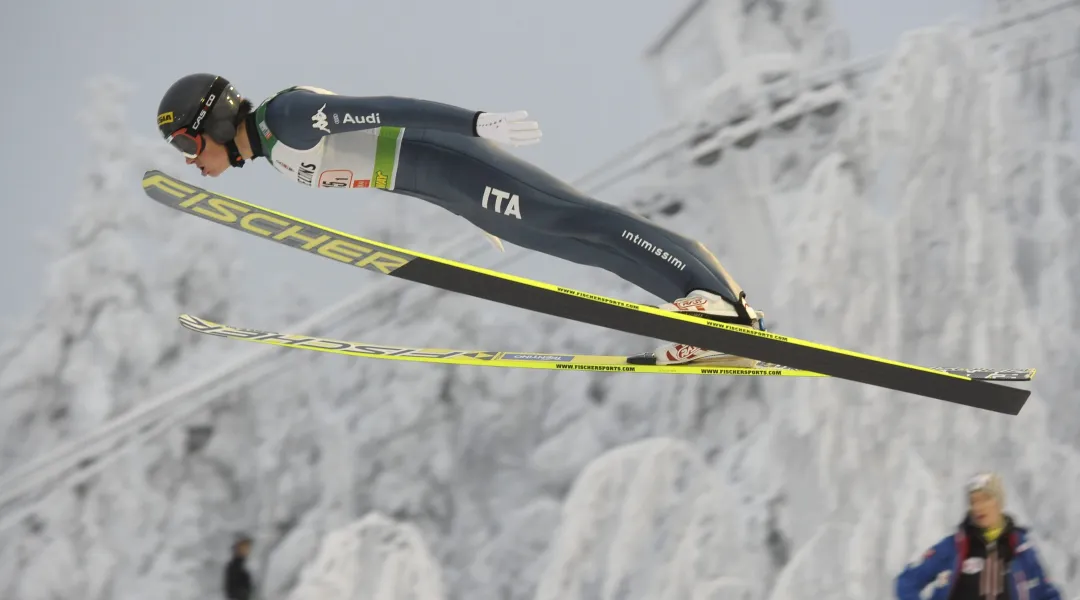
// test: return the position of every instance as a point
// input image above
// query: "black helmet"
(199, 104)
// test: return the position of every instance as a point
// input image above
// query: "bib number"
(337, 178)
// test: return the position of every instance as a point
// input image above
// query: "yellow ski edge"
(479, 358)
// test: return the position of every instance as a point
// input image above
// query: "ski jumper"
(430, 151)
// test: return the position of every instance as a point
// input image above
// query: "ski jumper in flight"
(446, 155)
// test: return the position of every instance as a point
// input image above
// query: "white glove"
(508, 128)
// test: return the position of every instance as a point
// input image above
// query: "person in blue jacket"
(989, 557)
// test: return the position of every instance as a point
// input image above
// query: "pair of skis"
(967, 386)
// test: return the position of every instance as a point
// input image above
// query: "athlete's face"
(985, 509)
(213, 160)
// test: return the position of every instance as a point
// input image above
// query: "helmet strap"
(235, 158)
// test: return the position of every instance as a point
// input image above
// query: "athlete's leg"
(523, 205)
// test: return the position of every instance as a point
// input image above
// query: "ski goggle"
(190, 145)
(188, 139)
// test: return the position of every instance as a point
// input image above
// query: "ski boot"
(709, 305)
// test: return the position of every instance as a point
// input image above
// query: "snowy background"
(922, 204)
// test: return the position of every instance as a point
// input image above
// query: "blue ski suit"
(431, 151)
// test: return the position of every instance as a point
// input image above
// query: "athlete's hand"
(508, 128)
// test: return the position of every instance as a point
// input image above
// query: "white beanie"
(990, 483)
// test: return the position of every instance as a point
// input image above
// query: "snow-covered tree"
(100, 342)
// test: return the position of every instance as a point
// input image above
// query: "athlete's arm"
(295, 120)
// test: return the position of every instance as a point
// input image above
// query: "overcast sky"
(574, 65)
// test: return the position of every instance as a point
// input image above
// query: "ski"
(579, 306)
(528, 360)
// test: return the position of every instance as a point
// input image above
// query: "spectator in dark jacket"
(237, 580)
(988, 557)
